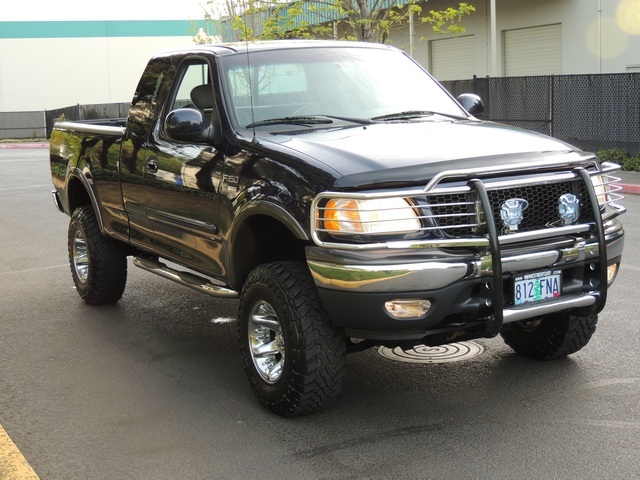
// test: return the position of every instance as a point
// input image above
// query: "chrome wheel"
(266, 342)
(80, 256)
(98, 263)
(293, 356)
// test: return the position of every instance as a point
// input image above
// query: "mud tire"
(98, 263)
(553, 336)
(294, 358)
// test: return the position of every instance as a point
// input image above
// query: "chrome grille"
(542, 211)
(454, 214)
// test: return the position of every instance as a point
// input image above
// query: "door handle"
(152, 165)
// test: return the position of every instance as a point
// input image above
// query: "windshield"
(345, 83)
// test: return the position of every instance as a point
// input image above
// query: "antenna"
(254, 140)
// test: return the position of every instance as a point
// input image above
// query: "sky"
(70, 10)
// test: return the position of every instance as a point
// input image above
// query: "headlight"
(607, 186)
(601, 187)
(381, 216)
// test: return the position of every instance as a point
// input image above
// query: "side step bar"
(184, 278)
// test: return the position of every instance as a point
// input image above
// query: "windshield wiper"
(300, 120)
(409, 114)
(360, 121)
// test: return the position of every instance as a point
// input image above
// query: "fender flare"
(87, 183)
(270, 209)
(262, 208)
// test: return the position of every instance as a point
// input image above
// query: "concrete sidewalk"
(630, 180)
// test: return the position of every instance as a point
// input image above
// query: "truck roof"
(231, 48)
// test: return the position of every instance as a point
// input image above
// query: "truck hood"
(416, 151)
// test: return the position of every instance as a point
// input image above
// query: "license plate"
(535, 287)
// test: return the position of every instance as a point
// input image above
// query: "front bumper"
(468, 290)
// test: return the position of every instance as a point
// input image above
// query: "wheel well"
(77, 195)
(262, 239)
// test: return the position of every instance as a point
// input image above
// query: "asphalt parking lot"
(153, 387)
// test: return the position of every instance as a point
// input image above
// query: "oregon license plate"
(537, 286)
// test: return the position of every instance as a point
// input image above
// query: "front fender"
(257, 224)
(270, 209)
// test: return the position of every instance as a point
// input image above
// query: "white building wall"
(48, 73)
(64, 10)
(51, 72)
(598, 36)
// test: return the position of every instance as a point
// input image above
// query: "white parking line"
(221, 320)
(23, 188)
(28, 270)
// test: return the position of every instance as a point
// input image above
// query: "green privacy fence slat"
(108, 28)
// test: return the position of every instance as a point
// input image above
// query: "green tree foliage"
(363, 20)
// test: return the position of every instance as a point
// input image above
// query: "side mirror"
(472, 103)
(185, 124)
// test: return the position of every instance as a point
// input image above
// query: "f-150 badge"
(568, 208)
(511, 213)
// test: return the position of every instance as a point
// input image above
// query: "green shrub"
(61, 118)
(632, 164)
(622, 157)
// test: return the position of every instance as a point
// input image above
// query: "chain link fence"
(22, 125)
(593, 112)
(100, 112)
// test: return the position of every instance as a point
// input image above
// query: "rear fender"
(80, 192)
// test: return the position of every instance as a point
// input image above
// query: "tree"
(363, 20)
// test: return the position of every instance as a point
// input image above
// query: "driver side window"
(193, 89)
(193, 75)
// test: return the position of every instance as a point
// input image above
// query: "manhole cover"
(452, 352)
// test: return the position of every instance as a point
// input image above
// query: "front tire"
(294, 358)
(98, 264)
(552, 336)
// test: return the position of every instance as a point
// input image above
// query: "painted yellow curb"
(13, 465)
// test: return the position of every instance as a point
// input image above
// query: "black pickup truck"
(347, 200)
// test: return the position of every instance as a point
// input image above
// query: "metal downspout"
(411, 33)
(599, 36)
(493, 39)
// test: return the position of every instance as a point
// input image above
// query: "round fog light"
(408, 309)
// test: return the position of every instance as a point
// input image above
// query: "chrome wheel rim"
(266, 342)
(80, 256)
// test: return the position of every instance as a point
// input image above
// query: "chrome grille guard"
(446, 222)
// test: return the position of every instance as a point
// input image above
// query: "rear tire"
(294, 358)
(552, 336)
(98, 264)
